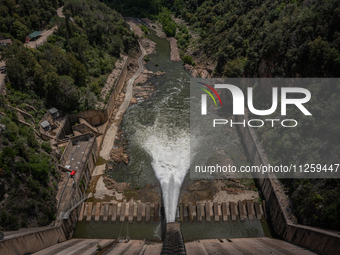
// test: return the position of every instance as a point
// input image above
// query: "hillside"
(68, 72)
(273, 39)
(283, 39)
(266, 38)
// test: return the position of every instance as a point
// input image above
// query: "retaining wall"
(83, 128)
(283, 220)
(99, 117)
(3, 84)
(118, 87)
(33, 241)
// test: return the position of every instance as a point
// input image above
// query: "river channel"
(158, 131)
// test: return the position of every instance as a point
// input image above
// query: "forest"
(69, 70)
(68, 73)
(18, 18)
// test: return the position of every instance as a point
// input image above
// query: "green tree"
(52, 87)
(20, 30)
(78, 71)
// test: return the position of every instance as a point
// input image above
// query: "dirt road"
(45, 34)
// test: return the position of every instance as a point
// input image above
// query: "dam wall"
(99, 117)
(32, 241)
(283, 220)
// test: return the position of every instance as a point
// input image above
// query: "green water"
(153, 230)
(165, 112)
(164, 116)
(224, 229)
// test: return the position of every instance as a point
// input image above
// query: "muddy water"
(159, 138)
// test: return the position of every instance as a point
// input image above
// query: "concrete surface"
(128, 211)
(108, 141)
(238, 246)
(31, 241)
(283, 220)
(108, 247)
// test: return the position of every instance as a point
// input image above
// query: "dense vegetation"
(288, 38)
(168, 24)
(28, 175)
(69, 70)
(68, 73)
(141, 8)
(19, 18)
(155, 10)
(315, 140)
(283, 39)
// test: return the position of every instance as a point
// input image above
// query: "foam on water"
(170, 152)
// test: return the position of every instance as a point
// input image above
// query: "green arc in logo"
(209, 94)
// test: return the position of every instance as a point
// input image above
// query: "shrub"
(169, 25)
(188, 60)
(22, 167)
(40, 167)
(7, 156)
(31, 141)
(46, 146)
(147, 58)
(9, 221)
(144, 29)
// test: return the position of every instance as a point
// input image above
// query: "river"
(158, 131)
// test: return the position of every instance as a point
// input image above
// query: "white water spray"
(170, 160)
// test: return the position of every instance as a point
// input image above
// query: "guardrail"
(73, 205)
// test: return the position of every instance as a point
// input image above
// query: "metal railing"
(73, 205)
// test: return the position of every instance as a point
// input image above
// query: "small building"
(5, 42)
(46, 125)
(34, 36)
(54, 112)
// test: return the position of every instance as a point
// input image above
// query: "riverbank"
(192, 191)
(102, 187)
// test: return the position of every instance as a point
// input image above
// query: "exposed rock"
(174, 51)
(133, 101)
(188, 67)
(119, 155)
(204, 74)
(157, 27)
(159, 73)
(2, 128)
(148, 45)
(134, 25)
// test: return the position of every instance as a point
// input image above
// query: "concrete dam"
(136, 219)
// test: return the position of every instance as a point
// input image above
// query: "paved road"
(112, 131)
